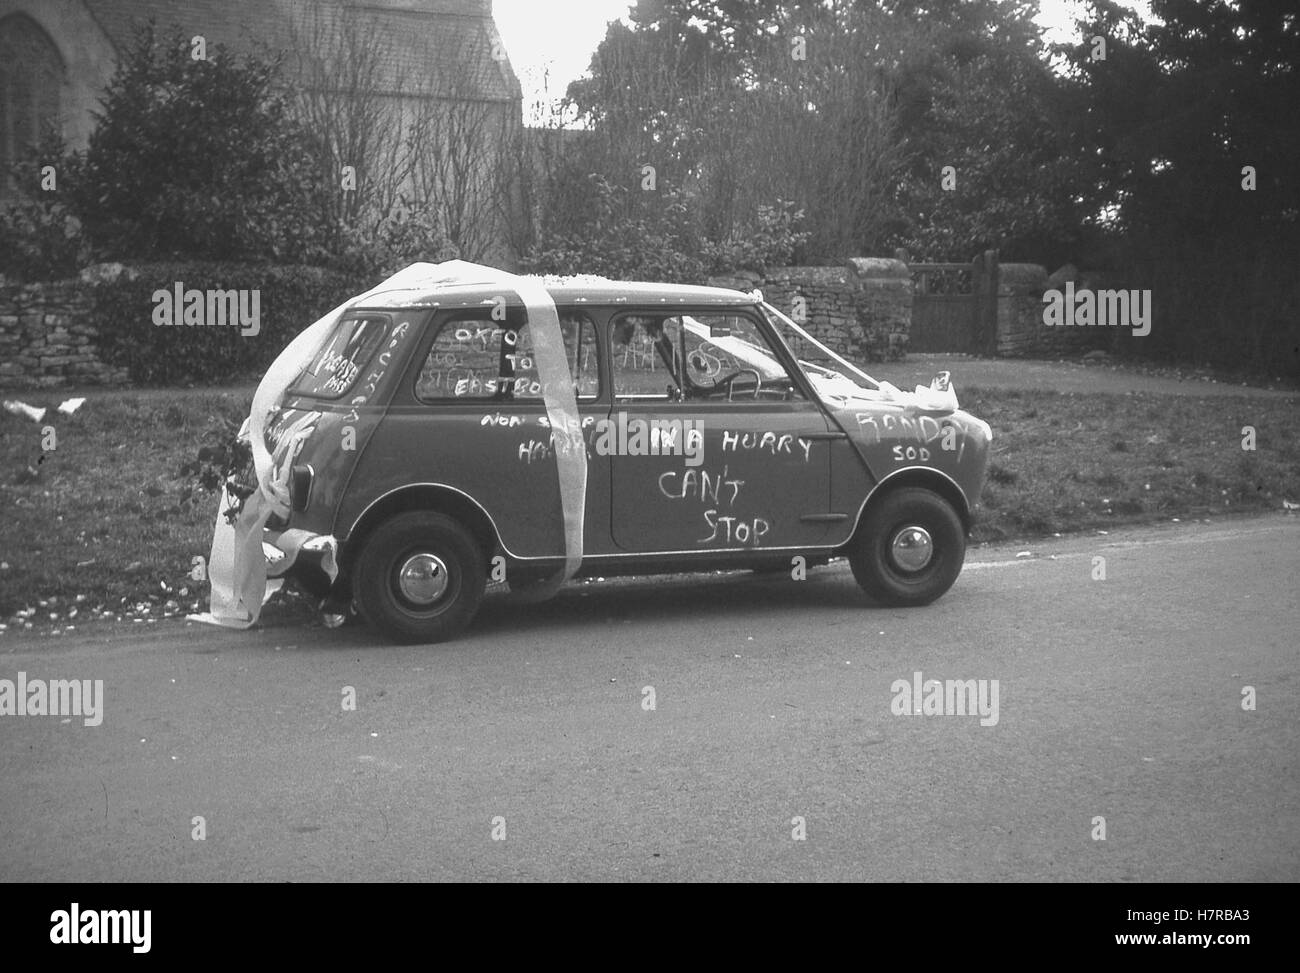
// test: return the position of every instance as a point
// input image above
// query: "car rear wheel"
(909, 549)
(420, 578)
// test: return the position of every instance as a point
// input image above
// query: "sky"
(550, 42)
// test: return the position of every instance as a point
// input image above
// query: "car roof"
(563, 291)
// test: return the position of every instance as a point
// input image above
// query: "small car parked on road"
(718, 434)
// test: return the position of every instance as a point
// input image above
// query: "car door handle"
(823, 435)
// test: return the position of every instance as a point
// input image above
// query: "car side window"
(474, 357)
(579, 350)
(341, 360)
(645, 353)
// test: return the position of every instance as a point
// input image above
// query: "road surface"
(527, 750)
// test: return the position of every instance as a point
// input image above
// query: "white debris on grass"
(23, 409)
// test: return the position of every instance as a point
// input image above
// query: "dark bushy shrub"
(289, 298)
(39, 240)
(196, 159)
(661, 242)
(770, 241)
(41, 237)
(382, 248)
(622, 243)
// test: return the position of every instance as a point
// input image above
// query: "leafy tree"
(849, 109)
(739, 106)
(1182, 102)
(1187, 111)
(1019, 178)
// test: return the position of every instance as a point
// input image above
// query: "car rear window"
(343, 357)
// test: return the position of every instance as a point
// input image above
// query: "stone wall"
(1020, 309)
(861, 309)
(47, 338)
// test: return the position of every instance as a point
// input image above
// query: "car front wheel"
(420, 578)
(909, 549)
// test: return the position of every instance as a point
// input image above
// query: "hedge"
(289, 299)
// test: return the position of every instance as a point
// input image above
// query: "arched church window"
(31, 77)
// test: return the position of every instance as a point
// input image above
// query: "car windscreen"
(344, 355)
(702, 338)
(826, 369)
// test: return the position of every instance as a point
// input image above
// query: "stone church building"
(431, 58)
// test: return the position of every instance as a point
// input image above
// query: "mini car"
(422, 458)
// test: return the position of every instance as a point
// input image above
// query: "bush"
(196, 159)
(290, 298)
(40, 237)
(40, 240)
(383, 249)
(770, 242)
(621, 243)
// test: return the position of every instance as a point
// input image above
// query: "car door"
(714, 447)
(473, 418)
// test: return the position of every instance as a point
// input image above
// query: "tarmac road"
(1118, 699)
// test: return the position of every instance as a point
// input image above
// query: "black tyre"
(909, 549)
(420, 578)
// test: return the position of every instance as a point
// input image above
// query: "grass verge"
(1076, 462)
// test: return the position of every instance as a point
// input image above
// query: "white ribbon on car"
(237, 566)
(559, 395)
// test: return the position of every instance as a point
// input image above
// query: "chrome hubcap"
(912, 548)
(423, 579)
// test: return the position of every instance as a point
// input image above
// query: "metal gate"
(954, 306)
